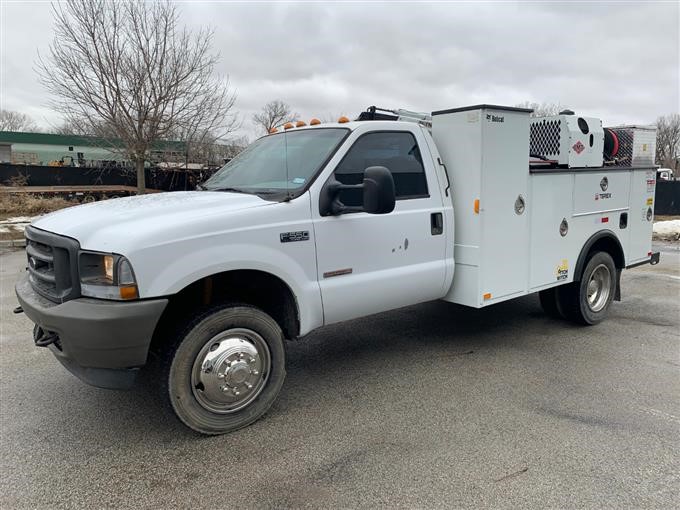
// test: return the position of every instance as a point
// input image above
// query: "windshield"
(277, 164)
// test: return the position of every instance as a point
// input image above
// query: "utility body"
(322, 224)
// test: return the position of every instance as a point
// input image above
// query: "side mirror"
(378, 194)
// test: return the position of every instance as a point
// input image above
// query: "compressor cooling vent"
(544, 137)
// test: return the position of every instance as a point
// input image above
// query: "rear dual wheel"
(586, 301)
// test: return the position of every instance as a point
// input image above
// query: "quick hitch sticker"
(292, 237)
(562, 271)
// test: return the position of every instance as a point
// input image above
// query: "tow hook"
(18, 309)
(43, 338)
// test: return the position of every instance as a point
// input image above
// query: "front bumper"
(101, 342)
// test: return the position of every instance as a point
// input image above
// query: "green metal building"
(71, 150)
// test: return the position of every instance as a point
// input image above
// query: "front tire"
(225, 369)
(588, 300)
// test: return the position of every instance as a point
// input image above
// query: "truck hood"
(145, 216)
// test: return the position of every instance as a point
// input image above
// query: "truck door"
(368, 263)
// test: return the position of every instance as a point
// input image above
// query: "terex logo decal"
(604, 184)
(578, 147)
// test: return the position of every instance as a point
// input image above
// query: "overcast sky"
(616, 61)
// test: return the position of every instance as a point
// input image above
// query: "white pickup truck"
(325, 223)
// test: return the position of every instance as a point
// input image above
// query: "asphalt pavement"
(433, 405)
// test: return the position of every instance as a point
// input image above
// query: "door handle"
(437, 223)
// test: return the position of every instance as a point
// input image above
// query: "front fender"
(196, 264)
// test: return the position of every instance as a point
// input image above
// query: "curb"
(13, 243)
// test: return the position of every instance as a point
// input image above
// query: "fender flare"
(609, 237)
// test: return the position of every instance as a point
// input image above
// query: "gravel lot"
(434, 405)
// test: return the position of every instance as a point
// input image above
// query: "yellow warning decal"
(562, 271)
(650, 201)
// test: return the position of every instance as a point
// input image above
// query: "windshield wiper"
(233, 190)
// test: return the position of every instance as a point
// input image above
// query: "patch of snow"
(18, 219)
(667, 229)
(16, 225)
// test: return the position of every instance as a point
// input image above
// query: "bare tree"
(668, 141)
(16, 121)
(70, 127)
(273, 114)
(128, 70)
(542, 109)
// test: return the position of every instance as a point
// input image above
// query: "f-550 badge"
(291, 237)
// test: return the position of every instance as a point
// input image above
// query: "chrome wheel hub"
(230, 370)
(599, 288)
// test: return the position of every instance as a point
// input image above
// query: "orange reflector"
(314, 122)
(343, 119)
(477, 206)
(300, 123)
(128, 292)
(649, 253)
(273, 130)
(288, 125)
(487, 296)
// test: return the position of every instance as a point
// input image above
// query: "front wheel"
(588, 301)
(226, 369)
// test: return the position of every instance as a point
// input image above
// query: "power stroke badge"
(292, 237)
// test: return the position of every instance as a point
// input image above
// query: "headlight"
(107, 276)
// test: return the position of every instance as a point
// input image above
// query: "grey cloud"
(618, 61)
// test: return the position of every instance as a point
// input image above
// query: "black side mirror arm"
(378, 194)
(330, 204)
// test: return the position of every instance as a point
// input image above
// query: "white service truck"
(325, 223)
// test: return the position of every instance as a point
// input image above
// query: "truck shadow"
(435, 324)
(318, 367)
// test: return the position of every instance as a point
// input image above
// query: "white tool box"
(520, 229)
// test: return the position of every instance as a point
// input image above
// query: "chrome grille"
(52, 264)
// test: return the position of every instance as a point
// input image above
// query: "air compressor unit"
(568, 140)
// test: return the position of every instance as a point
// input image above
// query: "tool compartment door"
(504, 206)
(641, 218)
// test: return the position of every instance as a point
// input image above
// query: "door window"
(397, 151)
